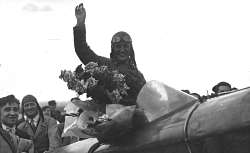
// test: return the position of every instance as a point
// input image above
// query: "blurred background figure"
(46, 111)
(56, 114)
(196, 95)
(221, 87)
(193, 94)
(186, 91)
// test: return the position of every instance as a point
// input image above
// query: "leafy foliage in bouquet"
(93, 76)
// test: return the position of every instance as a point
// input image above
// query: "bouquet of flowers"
(90, 123)
(95, 120)
(92, 76)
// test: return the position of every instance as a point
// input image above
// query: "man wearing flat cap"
(221, 87)
(10, 141)
(35, 124)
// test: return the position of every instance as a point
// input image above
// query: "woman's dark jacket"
(134, 79)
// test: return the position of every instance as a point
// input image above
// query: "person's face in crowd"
(223, 89)
(52, 107)
(195, 95)
(121, 51)
(9, 114)
(30, 109)
(47, 112)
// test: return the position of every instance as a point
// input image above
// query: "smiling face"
(9, 114)
(121, 51)
(30, 109)
(121, 47)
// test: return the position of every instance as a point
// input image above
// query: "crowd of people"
(27, 127)
(236, 141)
(39, 130)
(220, 88)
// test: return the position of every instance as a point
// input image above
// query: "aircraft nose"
(245, 116)
(221, 114)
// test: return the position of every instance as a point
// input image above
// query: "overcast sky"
(185, 44)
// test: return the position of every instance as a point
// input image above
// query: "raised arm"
(82, 49)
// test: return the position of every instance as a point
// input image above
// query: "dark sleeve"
(59, 117)
(99, 93)
(82, 49)
(22, 134)
(55, 140)
(128, 101)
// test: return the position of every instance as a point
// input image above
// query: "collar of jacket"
(9, 129)
(8, 139)
(35, 119)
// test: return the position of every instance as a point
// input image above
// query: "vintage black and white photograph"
(115, 76)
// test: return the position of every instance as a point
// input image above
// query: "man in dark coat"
(221, 87)
(35, 124)
(10, 141)
(9, 109)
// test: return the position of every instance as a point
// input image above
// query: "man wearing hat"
(35, 124)
(221, 87)
(56, 114)
(10, 142)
